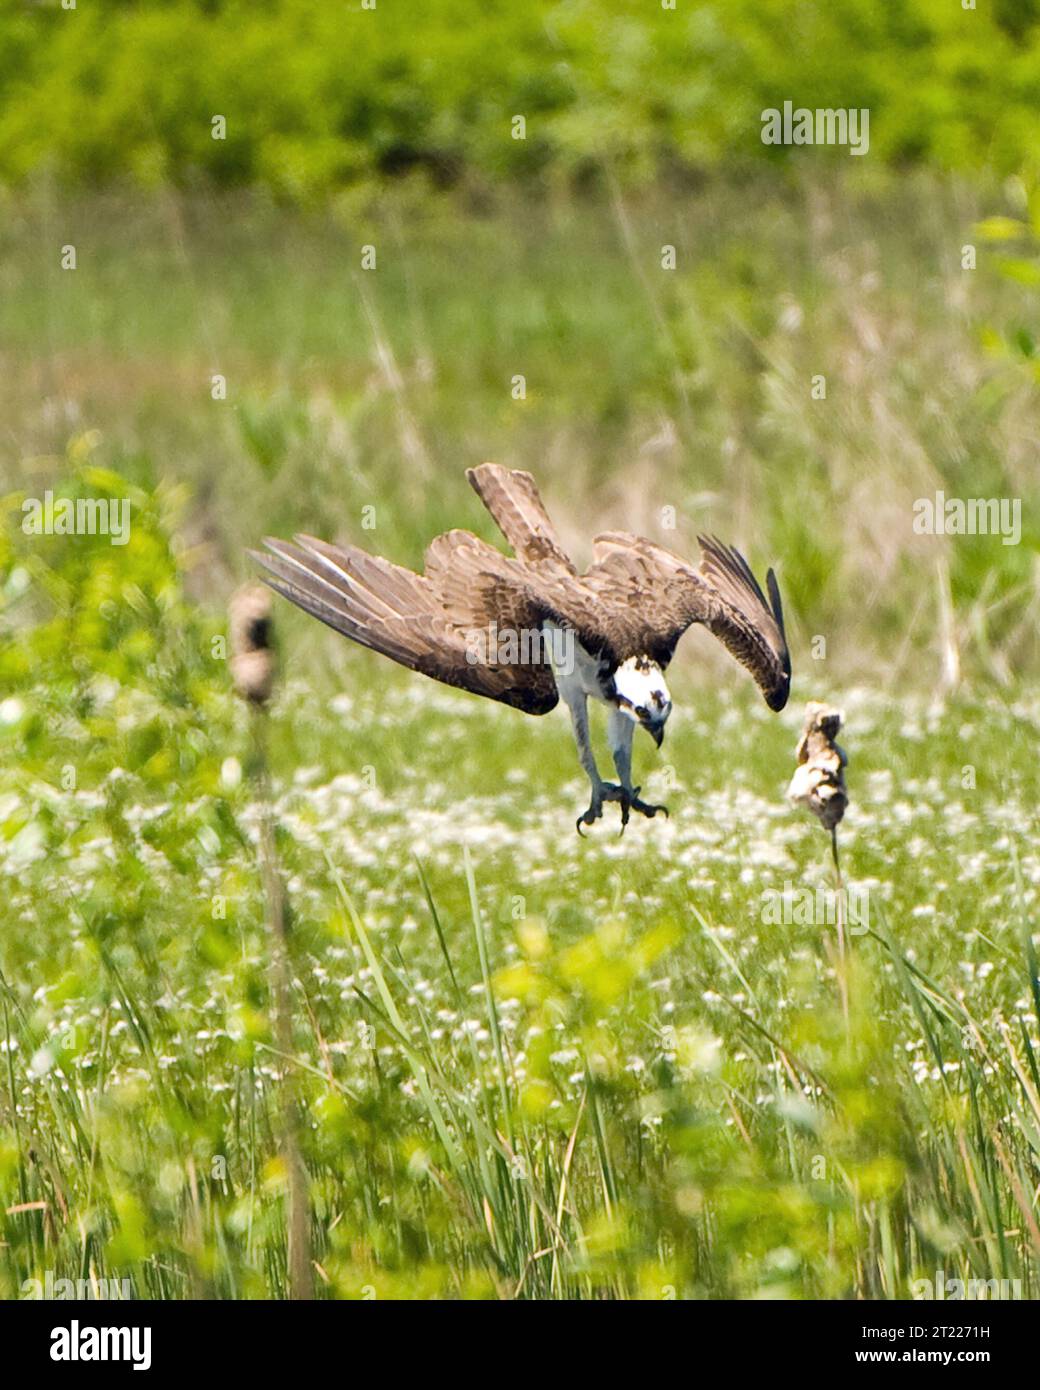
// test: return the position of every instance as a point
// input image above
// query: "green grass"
(527, 1065)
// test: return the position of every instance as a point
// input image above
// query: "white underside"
(577, 678)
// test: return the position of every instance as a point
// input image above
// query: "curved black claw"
(630, 802)
(608, 791)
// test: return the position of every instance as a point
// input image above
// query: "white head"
(640, 692)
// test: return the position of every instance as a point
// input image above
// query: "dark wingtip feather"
(732, 563)
(725, 567)
(774, 601)
(777, 699)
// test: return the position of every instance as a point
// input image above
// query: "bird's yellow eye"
(641, 712)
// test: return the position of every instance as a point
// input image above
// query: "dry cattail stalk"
(253, 671)
(819, 783)
(819, 779)
(252, 656)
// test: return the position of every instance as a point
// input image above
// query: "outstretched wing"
(723, 594)
(443, 624)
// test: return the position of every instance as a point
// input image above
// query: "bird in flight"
(528, 629)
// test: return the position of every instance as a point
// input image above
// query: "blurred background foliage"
(318, 96)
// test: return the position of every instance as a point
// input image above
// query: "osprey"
(529, 630)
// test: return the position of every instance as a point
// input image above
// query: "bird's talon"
(629, 801)
(594, 813)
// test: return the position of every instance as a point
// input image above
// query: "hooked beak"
(656, 732)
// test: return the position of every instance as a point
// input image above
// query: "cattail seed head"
(252, 656)
(819, 779)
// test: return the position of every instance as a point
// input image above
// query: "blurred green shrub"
(1015, 245)
(317, 97)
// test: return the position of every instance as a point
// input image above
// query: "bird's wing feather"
(512, 498)
(421, 622)
(636, 598)
(722, 594)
